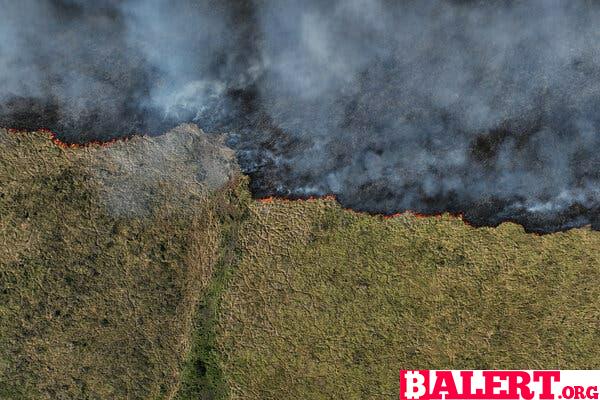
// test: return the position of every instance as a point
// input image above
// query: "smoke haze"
(486, 108)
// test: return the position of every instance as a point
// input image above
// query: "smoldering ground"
(486, 108)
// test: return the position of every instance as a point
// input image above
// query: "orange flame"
(53, 136)
(332, 197)
(266, 200)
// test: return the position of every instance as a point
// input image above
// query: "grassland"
(100, 279)
(144, 270)
(328, 304)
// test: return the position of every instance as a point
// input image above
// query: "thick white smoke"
(489, 108)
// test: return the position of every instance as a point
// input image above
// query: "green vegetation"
(143, 270)
(202, 377)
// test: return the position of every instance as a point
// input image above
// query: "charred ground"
(467, 107)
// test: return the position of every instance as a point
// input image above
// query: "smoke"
(487, 108)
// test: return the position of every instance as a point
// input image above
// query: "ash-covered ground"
(485, 108)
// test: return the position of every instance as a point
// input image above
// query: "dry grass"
(95, 302)
(143, 270)
(329, 304)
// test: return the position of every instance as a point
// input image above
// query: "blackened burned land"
(461, 106)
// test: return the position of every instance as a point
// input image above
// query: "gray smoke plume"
(486, 108)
